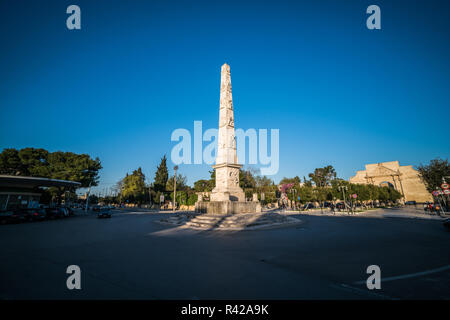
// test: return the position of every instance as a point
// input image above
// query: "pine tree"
(161, 176)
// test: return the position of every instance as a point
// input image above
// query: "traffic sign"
(435, 193)
(445, 186)
(355, 196)
(447, 191)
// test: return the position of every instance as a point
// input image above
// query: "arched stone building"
(404, 179)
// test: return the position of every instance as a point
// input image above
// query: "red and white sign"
(435, 193)
(445, 186)
(355, 196)
(446, 191)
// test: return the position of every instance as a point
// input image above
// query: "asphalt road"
(131, 256)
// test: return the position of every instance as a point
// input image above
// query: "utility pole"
(150, 195)
(175, 187)
(87, 196)
(343, 188)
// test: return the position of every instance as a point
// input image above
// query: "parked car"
(447, 223)
(104, 213)
(34, 214)
(18, 215)
(53, 213)
(340, 206)
(96, 208)
(308, 206)
(410, 203)
(6, 216)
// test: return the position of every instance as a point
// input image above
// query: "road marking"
(364, 292)
(410, 275)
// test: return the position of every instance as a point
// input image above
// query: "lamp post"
(343, 188)
(150, 195)
(87, 197)
(175, 187)
(294, 193)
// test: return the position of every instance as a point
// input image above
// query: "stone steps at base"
(230, 222)
(200, 225)
(206, 220)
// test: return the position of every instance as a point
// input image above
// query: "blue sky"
(137, 70)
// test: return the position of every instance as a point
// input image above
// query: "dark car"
(327, 204)
(308, 206)
(35, 214)
(104, 213)
(340, 205)
(15, 216)
(53, 213)
(6, 216)
(447, 223)
(410, 203)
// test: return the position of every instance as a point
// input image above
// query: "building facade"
(404, 179)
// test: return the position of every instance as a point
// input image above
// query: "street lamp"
(343, 189)
(87, 196)
(175, 187)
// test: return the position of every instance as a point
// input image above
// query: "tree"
(246, 179)
(181, 183)
(133, 187)
(161, 176)
(322, 176)
(263, 181)
(433, 173)
(306, 193)
(11, 164)
(296, 180)
(53, 165)
(203, 185)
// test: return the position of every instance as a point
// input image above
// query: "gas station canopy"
(7, 181)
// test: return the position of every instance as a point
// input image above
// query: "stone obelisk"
(227, 166)
(227, 197)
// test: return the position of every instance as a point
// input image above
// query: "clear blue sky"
(339, 93)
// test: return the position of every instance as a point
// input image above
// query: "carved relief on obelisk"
(227, 166)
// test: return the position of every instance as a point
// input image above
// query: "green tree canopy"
(296, 180)
(433, 173)
(322, 176)
(181, 183)
(53, 165)
(133, 186)
(203, 185)
(161, 176)
(263, 181)
(246, 179)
